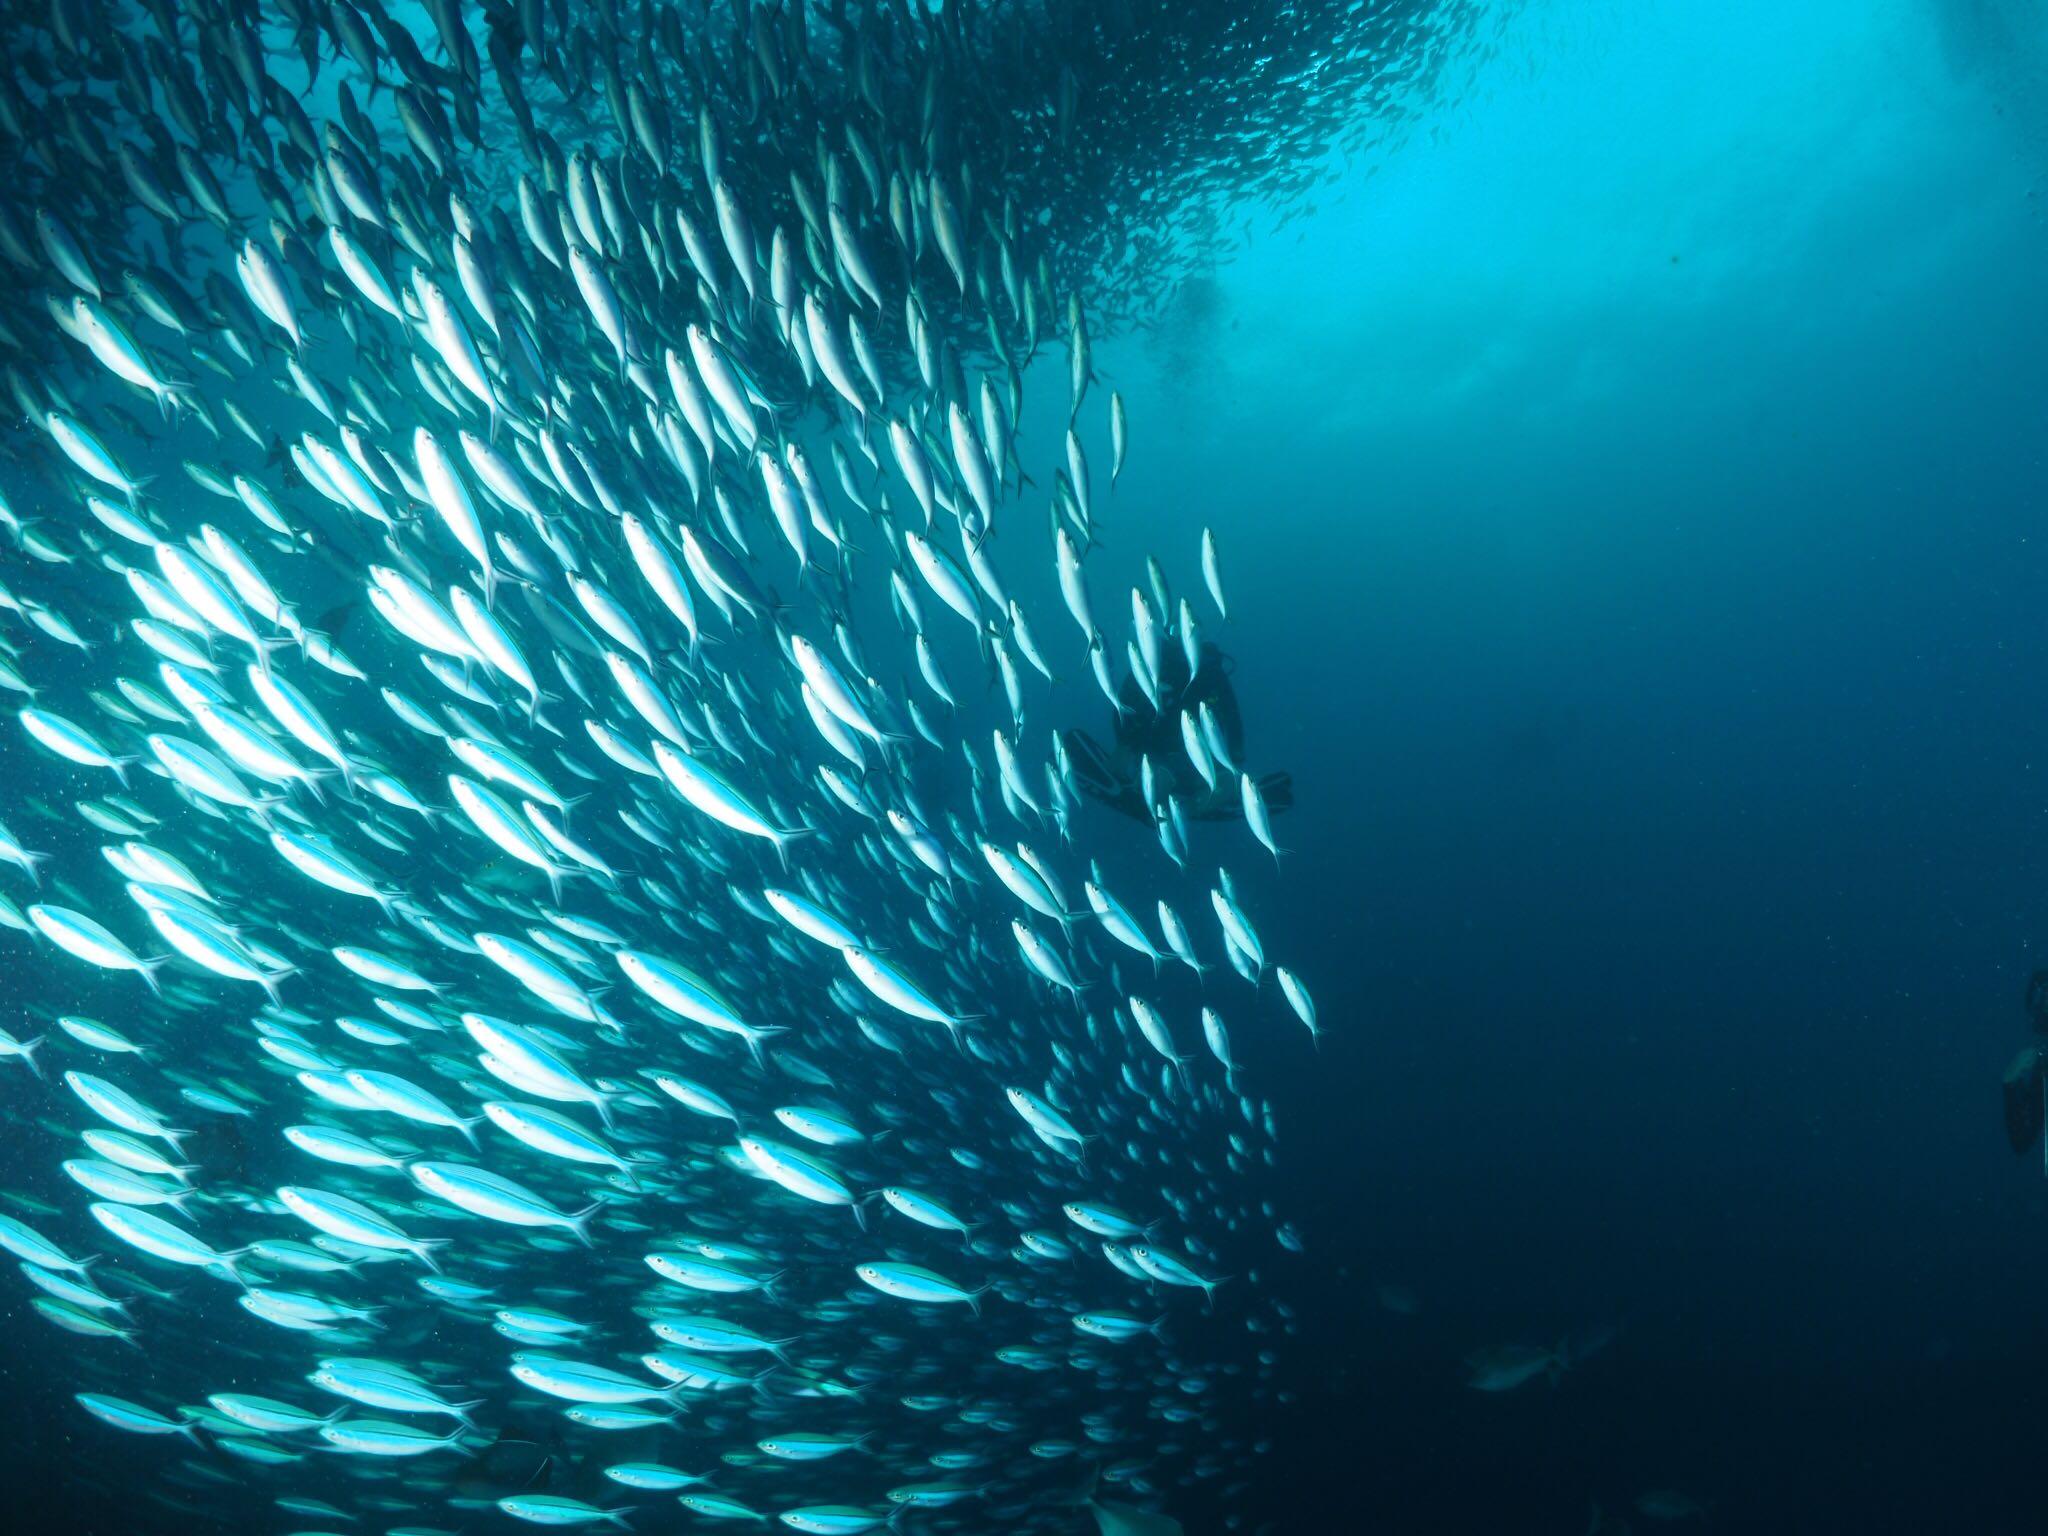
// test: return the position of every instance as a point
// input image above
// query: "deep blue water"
(1630, 485)
(1643, 468)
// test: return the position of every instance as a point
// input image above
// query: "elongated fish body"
(1047, 1121)
(90, 941)
(908, 1282)
(490, 1195)
(132, 1418)
(798, 1172)
(536, 646)
(351, 1221)
(70, 741)
(893, 988)
(31, 1247)
(924, 1210)
(581, 1382)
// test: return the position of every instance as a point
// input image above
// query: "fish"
(645, 915)
(1510, 1366)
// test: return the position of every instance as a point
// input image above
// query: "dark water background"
(1634, 491)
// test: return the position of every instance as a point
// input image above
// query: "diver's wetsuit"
(1113, 775)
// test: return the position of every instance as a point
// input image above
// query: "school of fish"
(570, 982)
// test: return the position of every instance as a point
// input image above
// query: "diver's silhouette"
(1114, 775)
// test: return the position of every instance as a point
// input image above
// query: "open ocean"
(1593, 451)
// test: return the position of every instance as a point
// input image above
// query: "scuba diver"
(1150, 743)
(2026, 1080)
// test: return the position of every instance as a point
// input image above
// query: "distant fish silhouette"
(1123, 1520)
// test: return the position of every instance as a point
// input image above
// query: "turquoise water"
(1643, 464)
